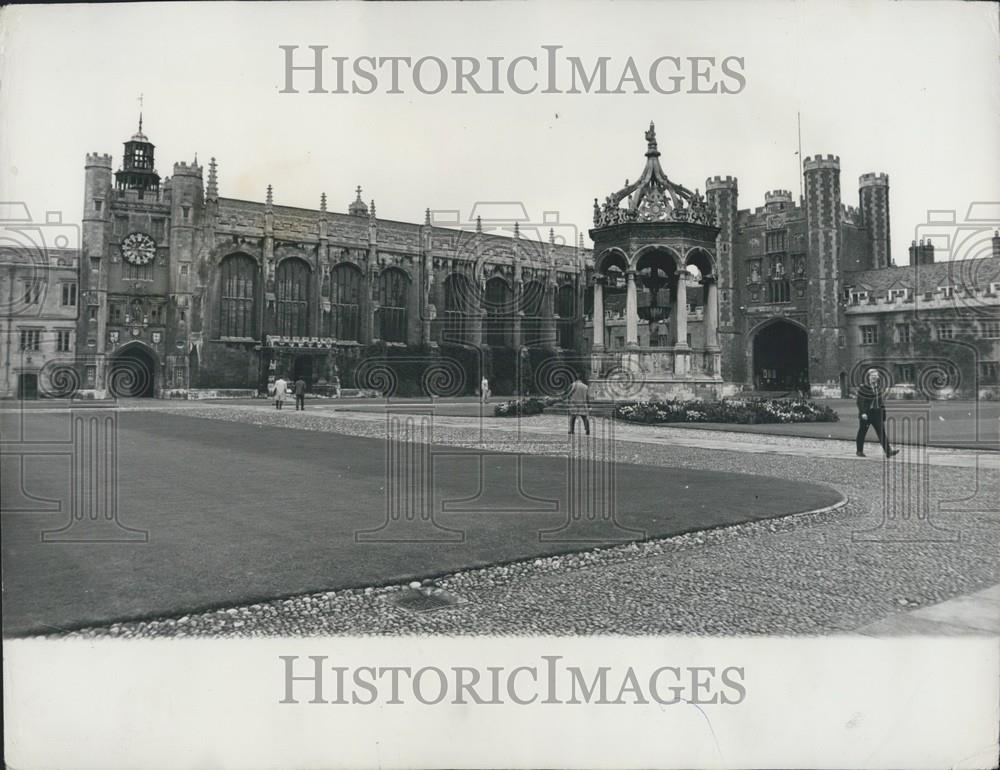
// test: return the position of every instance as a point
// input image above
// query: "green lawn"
(237, 512)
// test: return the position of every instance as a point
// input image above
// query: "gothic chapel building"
(182, 289)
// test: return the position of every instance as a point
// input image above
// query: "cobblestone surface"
(814, 573)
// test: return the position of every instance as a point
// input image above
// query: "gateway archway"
(781, 357)
(132, 373)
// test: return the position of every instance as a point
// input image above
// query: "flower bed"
(523, 407)
(746, 411)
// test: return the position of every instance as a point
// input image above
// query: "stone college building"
(179, 292)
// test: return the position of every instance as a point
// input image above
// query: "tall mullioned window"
(132, 272)
(292, 298)
(903, 334)
(779, 291)
(238, 290)
(776, 240)
(499, 312)
(991, 330)
(532, 305)
(393, 287)
(31, 339)
(69, 295)
(869, 335)
(32, 291)
(566, 310)
(459, 301)
(345, 303)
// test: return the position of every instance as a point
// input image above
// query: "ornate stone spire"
(651, 151)
(479, 224)
(653, 197)
(269, 201)
(371, 214)
(212, 188)
(322, 202)
(427, 217)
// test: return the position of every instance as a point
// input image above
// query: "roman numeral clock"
(138, 249)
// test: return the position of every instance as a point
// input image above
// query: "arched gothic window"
(393, 289)
(457, 308)
(499, 319)
(345, 302)
(566, 310)
(238, 292)
(292, 297)
(532, 305)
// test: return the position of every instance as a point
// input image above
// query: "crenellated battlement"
(872, 179)
(98, 159)
(778, 196)
(184, 169)
(721, 183)
(820, 162)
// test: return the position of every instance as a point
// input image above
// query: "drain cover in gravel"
(422, 600)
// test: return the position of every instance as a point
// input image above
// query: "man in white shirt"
(280, 389)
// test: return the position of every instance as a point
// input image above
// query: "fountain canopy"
(653, 197)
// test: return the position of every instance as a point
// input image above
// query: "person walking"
(300, 395)
(871, 413)
(579, 402)
(280, 390)
(484, 390)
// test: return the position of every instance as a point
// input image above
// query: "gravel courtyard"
(813, 573)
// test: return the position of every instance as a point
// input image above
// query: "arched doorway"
(132, 373)
(302, 369)
(781, 357)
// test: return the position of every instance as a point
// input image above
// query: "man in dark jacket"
(871, 412)
(300, 394)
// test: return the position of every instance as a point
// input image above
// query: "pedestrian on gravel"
(300, 395)
(280, 390)
(579, 405)
(871, 413)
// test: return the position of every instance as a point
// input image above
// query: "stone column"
(598, 324)
(712, 351)
(631, 312)
(681, 324)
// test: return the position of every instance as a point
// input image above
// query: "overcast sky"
(911, 89)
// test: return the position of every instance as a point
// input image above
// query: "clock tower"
(138, 171)
(135, 273)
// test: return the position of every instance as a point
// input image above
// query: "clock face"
(138, 248)
(774, 221)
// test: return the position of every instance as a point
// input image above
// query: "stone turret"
(873, 192)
